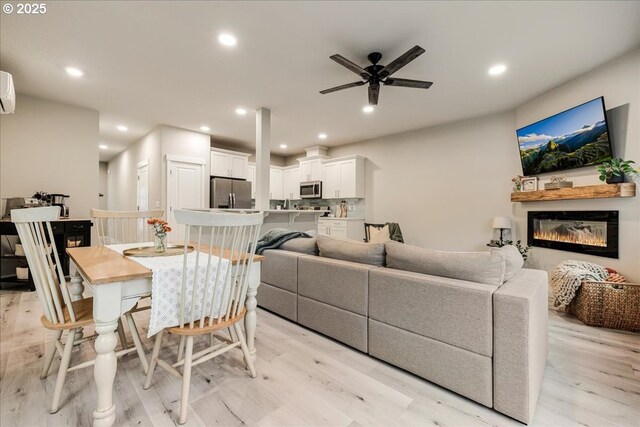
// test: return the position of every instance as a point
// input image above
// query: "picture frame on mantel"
(530, 184)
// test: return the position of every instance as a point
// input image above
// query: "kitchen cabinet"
(343, 178)
(251, 177)
(342, 228)
(310, 170)
(276, 178)
(291, 185)
(229, 164)
(66, 234)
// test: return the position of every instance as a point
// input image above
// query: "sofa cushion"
(453, 311)
(482, 267)
(351, 250)
(342, 284)
(302, 245)
(280, 269)
(279, 301)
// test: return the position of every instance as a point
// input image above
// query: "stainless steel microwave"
(311, 190)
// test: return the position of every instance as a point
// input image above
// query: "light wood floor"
(592, 379)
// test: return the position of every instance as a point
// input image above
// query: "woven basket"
(608, 305)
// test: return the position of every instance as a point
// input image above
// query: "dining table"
(117, 283)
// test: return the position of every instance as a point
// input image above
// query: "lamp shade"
(501, 222)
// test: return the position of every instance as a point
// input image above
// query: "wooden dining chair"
(60, 314)
(222, 237)
(121, 227)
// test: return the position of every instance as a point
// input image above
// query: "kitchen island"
(292, 219)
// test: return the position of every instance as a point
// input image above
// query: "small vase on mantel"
(160, 243)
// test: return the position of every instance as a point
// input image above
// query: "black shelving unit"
(66, 233)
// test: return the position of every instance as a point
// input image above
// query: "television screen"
(572, 139)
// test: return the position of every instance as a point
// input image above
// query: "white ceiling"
(159, 62)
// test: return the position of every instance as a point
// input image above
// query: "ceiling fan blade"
(347, 86)
(351, 66)
(374, 93)
(420, 84)
(401, 61)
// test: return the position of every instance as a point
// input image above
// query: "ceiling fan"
(376, 74)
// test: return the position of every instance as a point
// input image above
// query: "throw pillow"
(379, 235)
(513, 261)
(351, 250)
(481, 267)
(303, 245)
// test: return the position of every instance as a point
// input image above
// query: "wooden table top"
(100, 265)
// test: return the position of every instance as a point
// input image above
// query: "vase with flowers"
(517, 183)
(160, 229)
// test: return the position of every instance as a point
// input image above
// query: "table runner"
(166, 285)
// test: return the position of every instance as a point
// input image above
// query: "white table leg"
(106, 310)
(76, 289)
(250, 319)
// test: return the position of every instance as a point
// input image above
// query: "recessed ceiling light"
(241, 111)
(497, 69)
(227, 39)
(102, 147)
(322, 135)
(205, 128)
(122, 128)
(283, 145)
(75, 72)
(368, 109)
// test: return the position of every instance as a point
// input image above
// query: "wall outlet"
(157, 204)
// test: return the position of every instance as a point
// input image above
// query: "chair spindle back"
(119, 227)
(34, 229)
(225, 243)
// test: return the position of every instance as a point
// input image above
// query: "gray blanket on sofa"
(276, 237)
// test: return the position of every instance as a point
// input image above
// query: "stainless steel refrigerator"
(230, 193)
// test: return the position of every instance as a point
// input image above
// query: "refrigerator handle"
(230, 201)
(234, 200)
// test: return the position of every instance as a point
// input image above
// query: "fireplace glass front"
(588, 232)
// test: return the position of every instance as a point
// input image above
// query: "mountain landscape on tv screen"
(587, 145)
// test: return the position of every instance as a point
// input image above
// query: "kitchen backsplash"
(356, 206)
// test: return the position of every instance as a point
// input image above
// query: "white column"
(263, 157)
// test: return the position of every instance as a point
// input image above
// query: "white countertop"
(342, 219)
(300, 211)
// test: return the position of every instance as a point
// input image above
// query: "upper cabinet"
(276, 177)
(251, 177)
(310, 170)
(229, 164)
(291, 185)
(343, 178)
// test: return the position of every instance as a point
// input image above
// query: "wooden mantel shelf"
(604, 191)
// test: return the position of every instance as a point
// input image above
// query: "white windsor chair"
(227, 238)
(59, 312)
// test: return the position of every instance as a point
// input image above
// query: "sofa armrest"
(520, 317)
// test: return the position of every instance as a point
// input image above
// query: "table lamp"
(501, 223)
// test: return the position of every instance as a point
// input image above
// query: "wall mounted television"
(571, 139)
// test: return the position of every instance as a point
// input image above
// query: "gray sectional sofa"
(475, 323)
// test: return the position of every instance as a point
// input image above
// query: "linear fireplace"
(586, 232)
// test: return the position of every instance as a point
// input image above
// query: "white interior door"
(185, 190)
(142, 203)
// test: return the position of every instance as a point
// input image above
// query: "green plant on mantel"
(616, 168)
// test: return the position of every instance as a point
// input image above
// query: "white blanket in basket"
(567, 277)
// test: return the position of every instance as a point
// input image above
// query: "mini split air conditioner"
(7, 94)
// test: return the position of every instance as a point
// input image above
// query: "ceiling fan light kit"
(375, 74)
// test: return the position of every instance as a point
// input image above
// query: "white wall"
(52, 147)
(443, 185)
(123, 172)
(163, 140)
(619, 82)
